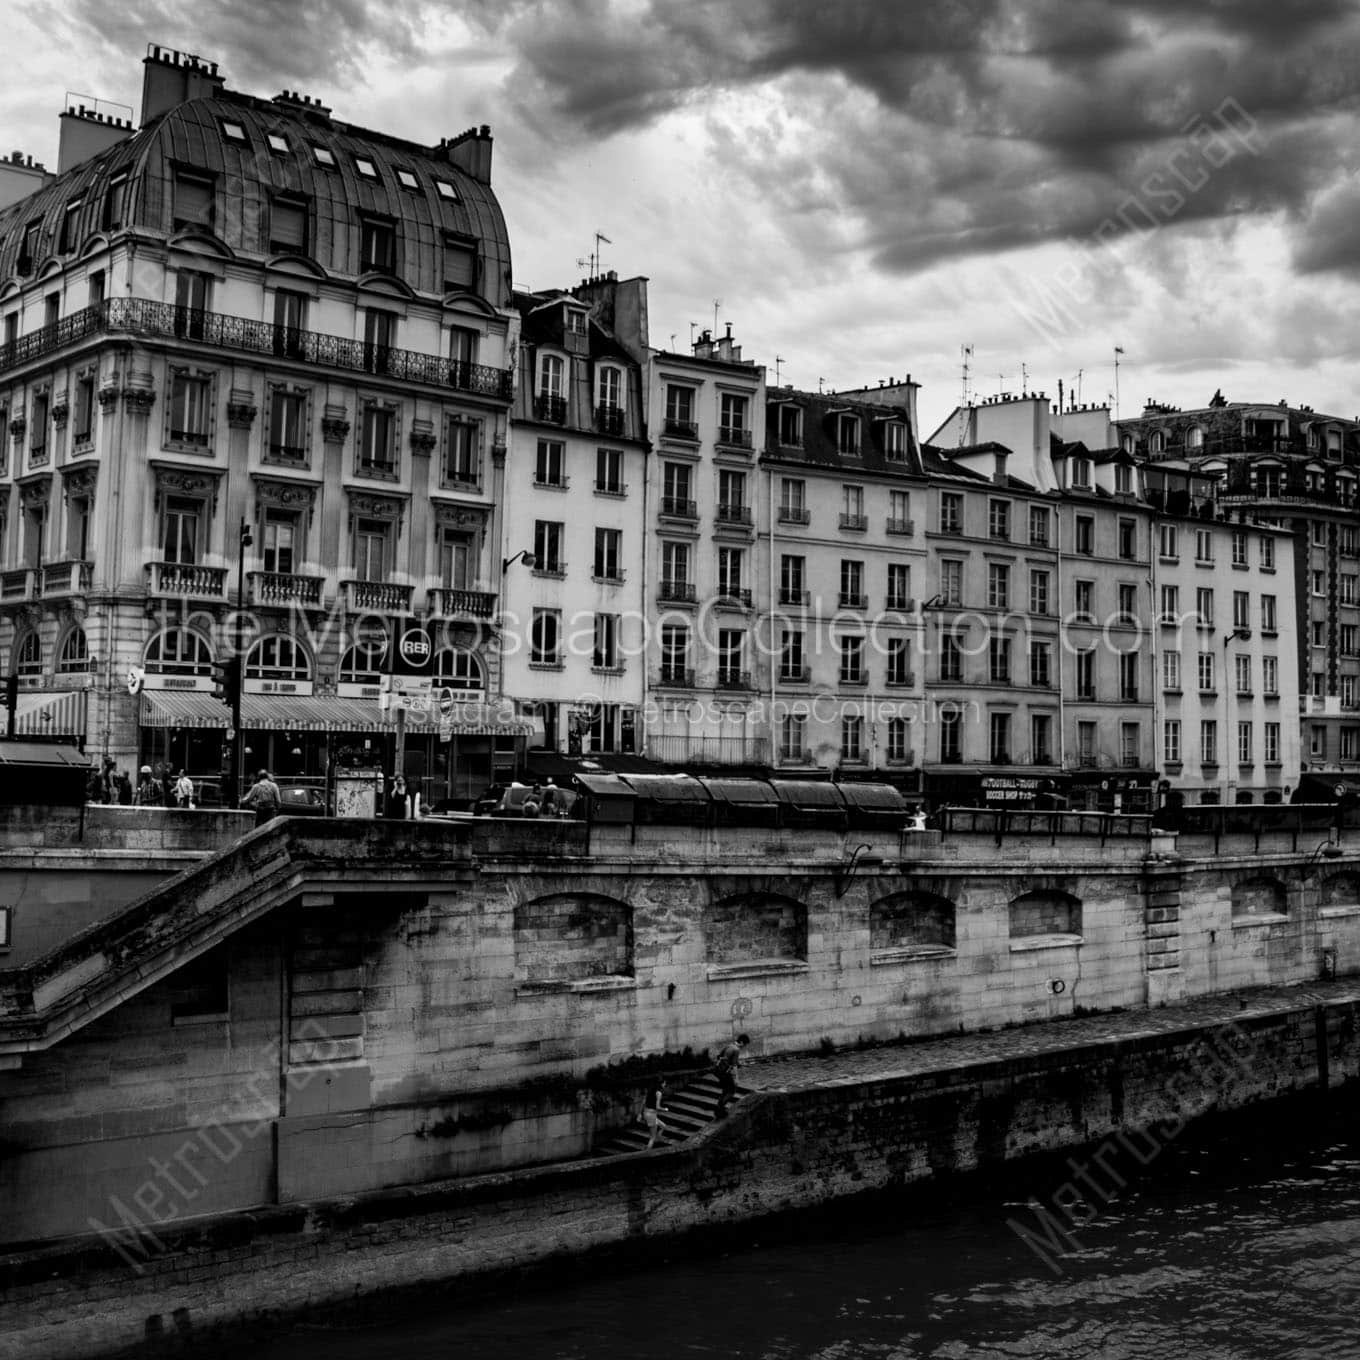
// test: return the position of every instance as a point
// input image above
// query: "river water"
(1236, 1241)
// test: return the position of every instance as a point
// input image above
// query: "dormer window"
(1194, 438)
(1156, 441)
(791, 427)
(575, 322)
(70, 226)
(323, 156)
(446, 190)
(551, 369)
(365, 167)
(287, 227)
(377, 245)
(193, 202)
(277, 142)
(234, 132)
(609, 383)
(847, 435)
(460, 264)
(1081, 472)
(894, 440)
(407, 180)
(114, 199)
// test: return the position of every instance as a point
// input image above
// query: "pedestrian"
(396, 799)
(148, 791)
(124, 788)
(108, 781)
(167, 788)
(263, 796)
(651, 1110)
(533, 803)
(725, 1069)
(184, 790)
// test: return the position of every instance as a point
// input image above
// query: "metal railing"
(164, 320)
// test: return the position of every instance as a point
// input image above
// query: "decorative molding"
(241, 414)
(458, 515)
(423, 438)
(108, 396)
(17, 426)
(61, 410)
(175, 481)
(334, 429)
(376, 507)
(139, 400)
(288, 496)
(79, 480)
(36, 493)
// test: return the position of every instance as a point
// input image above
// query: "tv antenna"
(593, 259)
(717, 302)
(1118, 350)
(779, 361)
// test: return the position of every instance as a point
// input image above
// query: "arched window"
(458, 668)
(178, 651)
(28, 661)
(1156, 442)
(1194, 437)
(1050, 912)
(278, 657)
(75, 654)
(363, 665)
(551, 376)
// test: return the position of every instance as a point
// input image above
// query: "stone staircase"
(686, 1110)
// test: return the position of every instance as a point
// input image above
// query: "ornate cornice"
(241, 415)
(376, 507)
(36, 492)
(139, 399)
(79, 480)
(334, 429)
(445, 513)
(108, 396)
(423, 442)
(17, 426)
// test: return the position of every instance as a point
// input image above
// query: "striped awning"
(296, 713)
(51, 713)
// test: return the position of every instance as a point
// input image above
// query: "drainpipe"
(1062, 639)
(771, 752)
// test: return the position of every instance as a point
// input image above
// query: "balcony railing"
(609, 419)
(902, 527)
(677, 677)
(734, 436)
(186, 579)
(731, 679)
(733, 514)
(790, 514)
(284, 587)
(679, 509)
(852, 599)
(65, 578)
(676, 592)
(694, 749)
(451, 602)
(795, 675)
(854, 521)
(17, 585)
(680, 429)
(145, 318)
(732, 595)
(794, 597)
(550, 408)
(378, 597)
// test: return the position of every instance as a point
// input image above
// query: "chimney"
(470, 151)
(85, 133)
(21, 176)
(170, 79)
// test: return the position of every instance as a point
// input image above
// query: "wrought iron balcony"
(609, 419)
(795, 675)
(676, 508)
(680, 429)
(448, 602)
(902, 527)
(186, 579)
(733, 679)
(734, 514)
(676, 592)
(854, 521)
(734, 436)
(853, 599)
(282, 587)
(790, 514)
(550, 408)
(733, 595)
(675, 677)
(378, 597)
(794, 597)
(148, 319)
(65, 578)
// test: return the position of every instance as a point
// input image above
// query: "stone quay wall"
(838, 1133)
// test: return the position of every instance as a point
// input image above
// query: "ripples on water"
(1242, 1247)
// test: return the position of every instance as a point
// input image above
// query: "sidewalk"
(947, 1053)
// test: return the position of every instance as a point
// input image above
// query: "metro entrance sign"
(412, 664)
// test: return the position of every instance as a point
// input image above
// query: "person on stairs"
(651, 1111)
(725, 1069)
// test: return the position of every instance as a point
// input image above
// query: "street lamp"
(244, 541)
(530, 560)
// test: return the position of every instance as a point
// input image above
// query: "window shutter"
(193, 202)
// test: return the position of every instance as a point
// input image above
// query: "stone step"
(685, 1111)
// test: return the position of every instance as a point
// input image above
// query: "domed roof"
(259, 151)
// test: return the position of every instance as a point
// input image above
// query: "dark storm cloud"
(958, 127)
(258, 43)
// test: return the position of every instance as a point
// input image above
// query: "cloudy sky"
(861, 187)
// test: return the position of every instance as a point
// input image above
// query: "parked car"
(508, 800)
(301, 801)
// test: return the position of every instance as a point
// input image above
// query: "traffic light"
(12, 691)
(226, 677)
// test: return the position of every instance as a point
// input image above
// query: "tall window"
(608, 551)
(1268, 624)
(674, 653)
(1204, 607)
(1242, 674)
(551, 379)
(792, 736)
(951, 658)
(1086, 673)
(290, 322)
(1041, 664)
(1171, 669)
(852, 584)
(1241, 609)
(457, 560)
(1085, 535)
(899, 512)
(951, 512)
(1130, 741)
(792, 499)
(1169, 542)
(899, 737)
(1239, 547)
(609, 388)
(680, 411)
(951, 736)
(380, 337)
(605, 654)
(377, 245)
(999, 738)
(852, 660)
(1208, 742)
(1206, 672)
(287, 424)
(731, 564)
(792, 579)
(280, 532)
(999, 520)
(1271, 743)
(951, 581)
(193, 202)
(545, 638)
(1267, 553)
(852, 737)
(899, 661)
(731, 656)
(378, 440)
(1270, 675)
(1041, 739)
(676, 492)
(792, 665)
(1171, 741)
(190, 408)
(182, 543)
(847, 435)
(791, 427)
(998, 585)
(899, 585)
(1128, 538)
(463, 344)
(1086, 744)
(1084, 600)
(1038, 526)
(999, 660)
(288, 227)
(463, 453)
(852, 507)
(1128, 676)
(732, 421)
(732, 495)
(675, 564)
(548, 536)
(609, 471)
(549, 463)
(84, 412)
(1038, 592)
(370, 549)
(1244, 755)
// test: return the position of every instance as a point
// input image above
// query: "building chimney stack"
(171, 78)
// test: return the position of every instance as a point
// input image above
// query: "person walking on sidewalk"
(725, 1069)
(651, 1111)
(264, 798)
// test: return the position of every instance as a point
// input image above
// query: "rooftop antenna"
(779, 361)
(692, 325)
(1024, 378)
(672, 342)
(597, 258)
(717, 302)
(1000, 384)
(1080, 371)
(966, 397)
(821, 384)
(1118, 350)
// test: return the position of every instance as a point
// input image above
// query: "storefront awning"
(58, 713)
(298, 713)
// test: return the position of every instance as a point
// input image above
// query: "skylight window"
(446, 190)
(407, 180)
(323, 156)
(365, 167)
(277, 143)
(233, 132)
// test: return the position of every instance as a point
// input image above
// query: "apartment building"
(1226, 683)
(707, 424)
(573, 623)
(1296, 469)
(255, 380)
(839, 581)
(1041, 545)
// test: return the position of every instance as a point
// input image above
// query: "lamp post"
(244, 541)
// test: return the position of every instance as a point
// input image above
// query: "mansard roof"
(248, 175)
(819, 445)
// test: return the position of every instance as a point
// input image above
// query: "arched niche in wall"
(909, 925)
(756, 927)
(1045, 912)
(1259, 897)
(565, 938)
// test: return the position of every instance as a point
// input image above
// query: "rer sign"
(415, 652)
